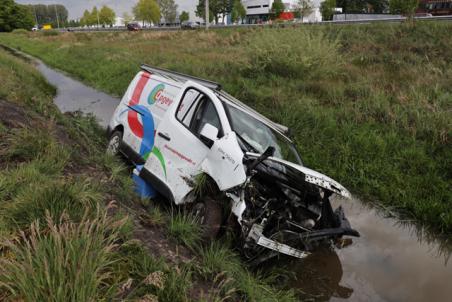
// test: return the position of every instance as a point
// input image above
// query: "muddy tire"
(210, 215)
(114, 143)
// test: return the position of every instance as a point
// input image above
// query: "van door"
(145, 106)
(179, 150)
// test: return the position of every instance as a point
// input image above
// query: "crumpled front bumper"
(342, 228)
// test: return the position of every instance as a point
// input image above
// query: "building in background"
(436, 7)
(258, 11)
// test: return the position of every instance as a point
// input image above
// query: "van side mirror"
(209, 134)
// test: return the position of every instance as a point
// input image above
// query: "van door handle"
(164, 136)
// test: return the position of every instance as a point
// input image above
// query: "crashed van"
(179, 129)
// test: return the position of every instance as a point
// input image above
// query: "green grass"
(219, 263)
(368, 105)
(55, 237)
(184, 228)
(63, 260)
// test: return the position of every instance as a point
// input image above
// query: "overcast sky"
(76, 7)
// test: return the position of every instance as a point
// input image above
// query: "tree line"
(14, 16)
(218, 8)
(54, 14)
(104, 17)
(151, 11)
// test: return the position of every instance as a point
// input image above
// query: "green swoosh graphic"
(159, 155)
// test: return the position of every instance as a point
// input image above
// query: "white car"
(177, 127)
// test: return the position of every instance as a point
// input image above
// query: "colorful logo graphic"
(155, 93)
(145, 130)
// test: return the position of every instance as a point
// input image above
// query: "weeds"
(313, 57)
(184, 228)
(54, 197)
(69, 262)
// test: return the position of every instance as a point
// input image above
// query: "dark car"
(133, 26)
(189, 25)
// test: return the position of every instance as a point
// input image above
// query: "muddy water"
(391, 261)
(75, 96)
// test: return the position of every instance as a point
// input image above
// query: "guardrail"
(285, 24)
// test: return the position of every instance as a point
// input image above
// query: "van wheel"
(210, 215)
(114, 143)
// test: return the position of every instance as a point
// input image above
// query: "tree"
(277, 8)
(107, 16)
(184, 16)
(85, 20)
(13, 16)
(404, 7)
(147, 10)
(127, 18)
(327, 9)
(94, 17)
(168, 10)
(47, 14)
(378, 6)
(73, 23)
(305, 8)
(238, 11)
(216, 8)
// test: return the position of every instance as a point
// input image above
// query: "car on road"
(200, 147)
(133, 26)
(189, 25)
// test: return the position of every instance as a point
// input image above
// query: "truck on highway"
(199, 146)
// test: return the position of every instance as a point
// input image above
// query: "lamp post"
(56, 14)
(207, 14)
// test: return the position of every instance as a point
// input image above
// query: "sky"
(76, 7)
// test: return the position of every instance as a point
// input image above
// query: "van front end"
(286, 209)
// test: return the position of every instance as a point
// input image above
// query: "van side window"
(206, 114)
(188, 106)
(195, 110)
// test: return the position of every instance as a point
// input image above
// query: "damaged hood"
(296, 175)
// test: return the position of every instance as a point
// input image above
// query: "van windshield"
(256, 136)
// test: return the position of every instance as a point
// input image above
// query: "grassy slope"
(369, 104)
(60, 234)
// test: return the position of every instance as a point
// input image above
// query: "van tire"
(114, 143)
(210, 214)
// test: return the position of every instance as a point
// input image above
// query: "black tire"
(114, 143)
(210, 215)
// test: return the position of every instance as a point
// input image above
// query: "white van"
(179, 127)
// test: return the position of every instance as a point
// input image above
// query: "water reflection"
(319, 276)
(392, 261)
(75, 96)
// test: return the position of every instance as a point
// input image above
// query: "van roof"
(217, 89)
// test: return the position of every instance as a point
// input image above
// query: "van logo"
(155, 93)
